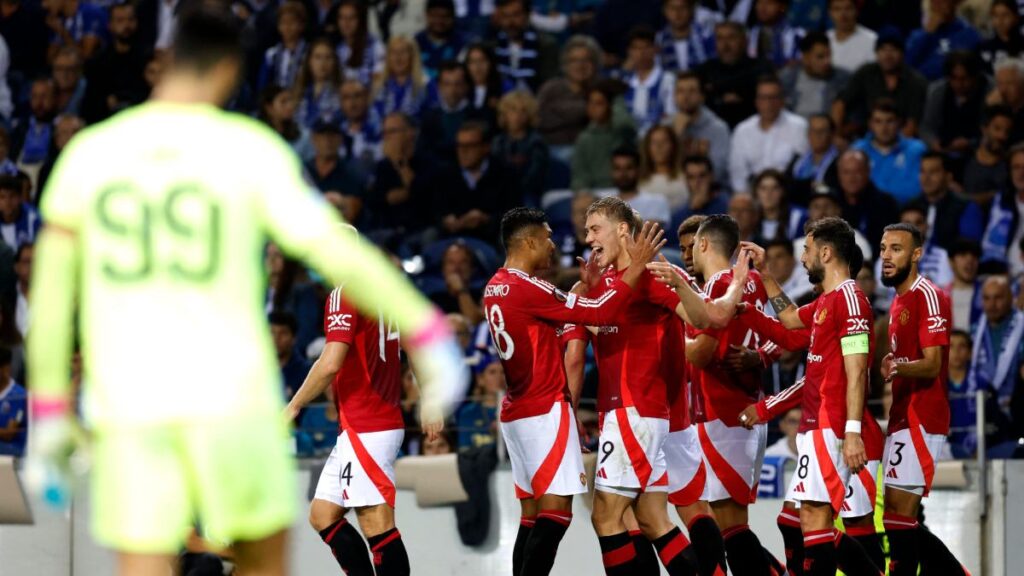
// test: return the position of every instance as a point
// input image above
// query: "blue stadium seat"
(559, 175)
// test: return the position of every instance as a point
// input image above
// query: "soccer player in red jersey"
(633, 395)
(361, 361)
(830, 445)
(919, 327)
(538, 423)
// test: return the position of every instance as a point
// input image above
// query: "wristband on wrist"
(853, 426)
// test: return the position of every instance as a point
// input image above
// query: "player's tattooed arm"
(784, 307)
(780, 302)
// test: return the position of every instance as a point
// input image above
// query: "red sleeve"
(773, 330)
(546, 302)
(936, 314)
(571, 332)
(659, 293)
(854, 312)
(769, 353)
(806, 313)
(340, 319)
(778, 404)
(717, 290)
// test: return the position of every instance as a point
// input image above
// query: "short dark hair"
(936, 155)
(734, 26)
(451, 66)
(699, 159)
(963, 333)
(913, 208)
(965, 246)
(448, 5)
(994, 111)
(286, 319)
(691, 225)
(856, 261)
(967, 60)
(616, 210)
(689, 75)
(915, 234)
(503, 3)
(812, 39)
(207, 34)
(769, 79)
(722, 232)
(476, 126)
(783, 243)
(827, 118)
(642, 33)
(517, 220)
(887, 106)
(835, 233)
(11, 184)
(626, 152)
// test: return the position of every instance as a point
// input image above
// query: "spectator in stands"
(281, 62)
(614, 20)
(317, 87)
(964, 292)
(853, 45)
(485, 85)
(562, 17)
(23, 27)
(19, 220)
(439, 446)
(477, 419)
(360, 126)
(470, 197)
(625, 170)
(462, 295)
(743, 209)
(868, 209)
(779, 218)
(277, 110)
(402, 87)
(1009, 80)
(951, 216)
(887, 77)
(525, 57)
(963, 440)
(700, 131)
(894, 158)
(683, 44)
(441, 123)
(1002, 237)
(572, 243)
(23, 282)
(115, 76)
(942, 31)
(605, 133)
(825, 202)
(772, 138)
(730, 80)
(661, 170)
(649, 86)
(360, 53)
(157, 21)
(781, 260)
(518, 146)
(996, 359)
(400, 193)
(820, 156)
(1006, 40)
(290, 290)
(329, 172)
(772, 38)
(812, 86)
(953, 110)
(986, 174)
(785, 447)
(68, 80)
(283, 327)
(462, 330)
(439, 41)
(706, 195)
(13, 410)
(7, 168)
(75, 24)
(64, 129)
(562, 101)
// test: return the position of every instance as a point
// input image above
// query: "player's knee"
(374, 520)
(323, 514)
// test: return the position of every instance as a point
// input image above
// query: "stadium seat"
(559, 175)
(434, 478)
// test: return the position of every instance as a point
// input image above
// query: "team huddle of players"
(677, 424)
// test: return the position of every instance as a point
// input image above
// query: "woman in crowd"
(402, 87)
(562, 101)
(361, 54)
(661, 169)
(779, 219)
(606, 131)
(277, 110)
(317, 87)
(518, 146)
(486, 86)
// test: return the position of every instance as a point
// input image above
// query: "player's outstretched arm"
(784, 307)
(691, 308)
(326, 367)
(722, 309)
(700, 351)
(771, 407)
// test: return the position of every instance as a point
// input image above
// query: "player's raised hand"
(648, 242)
(440, 369)
(756, 255)
(432, 429)
(749, 417)
(854, 453)
(53, 439)
(589, 272)
(741, 270)
(665, 272)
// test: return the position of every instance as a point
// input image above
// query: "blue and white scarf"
(646, 99)
(700, 48)
(282, 65)
(518, 65)
(323, 106)
(806, 169)
(405, 98)
(996, 370)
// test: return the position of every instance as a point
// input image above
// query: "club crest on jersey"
(904, 317)
(820, 317)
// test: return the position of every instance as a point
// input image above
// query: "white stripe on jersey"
(783, 395)
(549, 288)
(711, 282)
(926, 288)
(335, 300)
(852, 303)
(588, 303)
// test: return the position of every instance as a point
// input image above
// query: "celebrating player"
(837, 375)
(537, 419)
(153, 231)
(919, 326)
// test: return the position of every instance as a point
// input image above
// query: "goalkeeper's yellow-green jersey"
(171, 206)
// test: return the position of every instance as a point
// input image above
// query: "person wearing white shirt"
(626, 179)
(780, 258)
(769, 139)
(852, 44)
(824, 202)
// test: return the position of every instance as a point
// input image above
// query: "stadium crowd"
(423, 122)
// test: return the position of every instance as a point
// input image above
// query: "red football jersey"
(833, 316)
(920, 319)
(525, 315)
(725, 394)
(368, 388)
(639, 356)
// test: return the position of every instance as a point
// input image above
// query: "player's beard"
(816, 272)
(897, 278)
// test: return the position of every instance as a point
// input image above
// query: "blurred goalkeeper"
(156, 221)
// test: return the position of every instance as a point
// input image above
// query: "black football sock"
(740, 547)
(820, 553)
(871, 541)
(348, 547)
(525, 526)
(646, 558)
(618, 554)
(904, 549)
(389, 555)
(676, 553)
(852, 558)
(793, 539)
(539, 556)
(707, 541)
(936, 559)
(774, 566)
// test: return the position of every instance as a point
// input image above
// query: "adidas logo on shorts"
(799, 487)
(601, 474)
(892, 474)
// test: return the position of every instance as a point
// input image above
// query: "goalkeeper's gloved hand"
(440, 369)
(52, 440)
